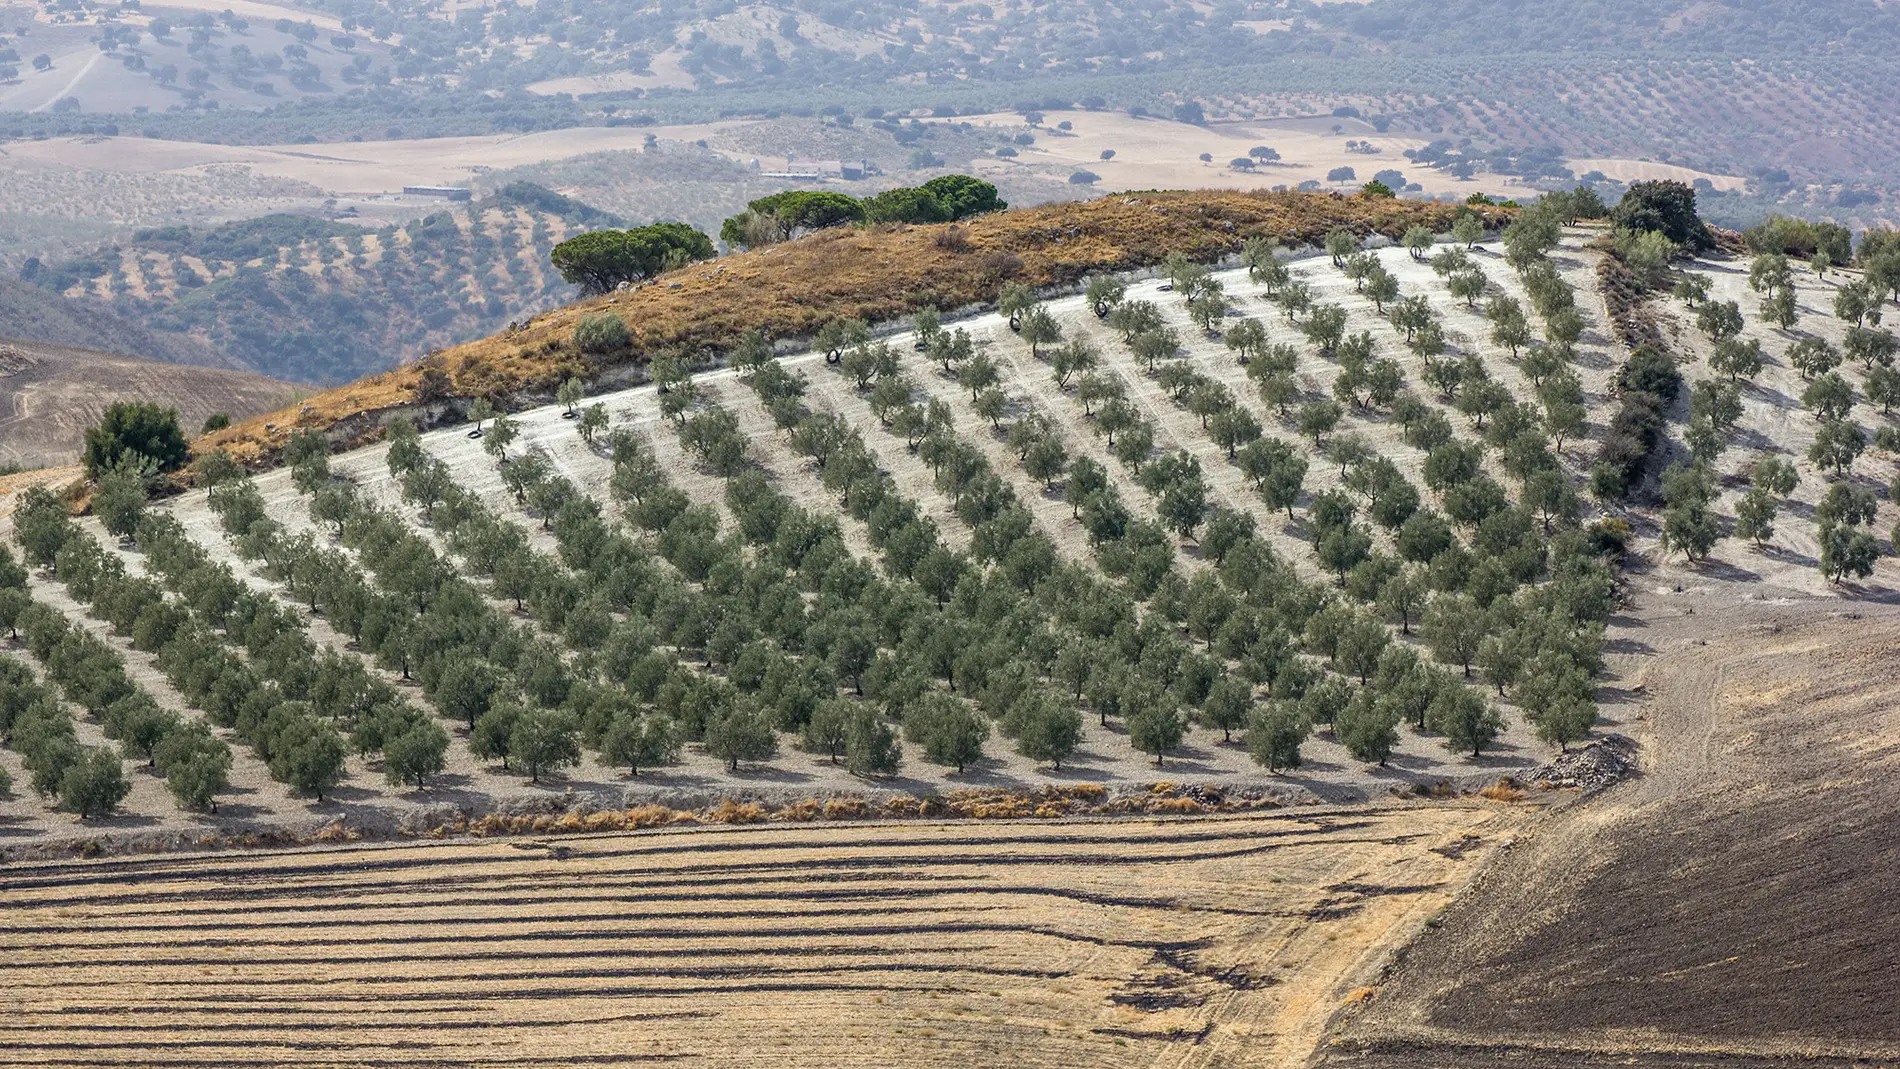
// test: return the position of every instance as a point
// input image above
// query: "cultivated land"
(1785, 567)
(50, 394)
(1105, 757)
(1649, 924)
(1726, 909)
(1227, 942)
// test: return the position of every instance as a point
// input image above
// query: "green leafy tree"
(1258, 253)
(1104, 294)
(416, 755)
(742, 734)
(963, 196)
(1340, 244)
(1688, 523)
(1040, 328)
(1046, 729)
(593, 420)
(1847, 550)
(827, 731)
(601, 260)
(139, 429)
(1369, 729)
(119, 498)
(1837, 444)
(93, 785)
(1318, 418)
(1666, 207)
(1227, 706)
(870, 745)
(1274, 734)
(951, 732)
(307, 753)
(214, 469)
(640, 741)
(1453, 627)
(1468, 229)
(544, 740)
(1468, 285)
(1467, 721)
(1737, 359)
(196, 780)
(1155, 724)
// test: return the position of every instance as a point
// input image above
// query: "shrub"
(1799, 237)
(138, 429)
(1666, 207)
(1341, 174)
(1648, 383)
(603, 333)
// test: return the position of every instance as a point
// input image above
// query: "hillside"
(32, 313)
(790, 290)
(1358, 553)
(311, 300)
(50, 394)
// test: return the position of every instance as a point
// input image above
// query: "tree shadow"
(1718, 569)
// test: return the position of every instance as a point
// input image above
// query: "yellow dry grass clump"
(874, 274)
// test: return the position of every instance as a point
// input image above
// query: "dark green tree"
(601, 260)
(139, 429)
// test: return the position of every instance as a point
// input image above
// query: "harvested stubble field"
(1222, 943)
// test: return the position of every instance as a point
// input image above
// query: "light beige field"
(1149, 154)
(1162, 154)
(1646, 170)
(1183, 943)
(366, 167)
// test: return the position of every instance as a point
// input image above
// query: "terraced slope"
(1133, 943)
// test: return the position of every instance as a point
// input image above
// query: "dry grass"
(1140, 942)
(877, 274)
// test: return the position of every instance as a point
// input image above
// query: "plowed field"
(1213, 942)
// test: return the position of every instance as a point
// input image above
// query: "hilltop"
(877, 274)
(31, 313)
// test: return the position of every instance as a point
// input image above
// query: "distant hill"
(50, 394)
(313, 300)
(36, 314)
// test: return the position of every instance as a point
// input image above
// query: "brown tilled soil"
(1179, 943)
(1733, 906)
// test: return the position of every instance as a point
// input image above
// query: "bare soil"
(1728, 907)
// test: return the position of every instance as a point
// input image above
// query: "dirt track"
(1177, 943)
(1731, 907)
